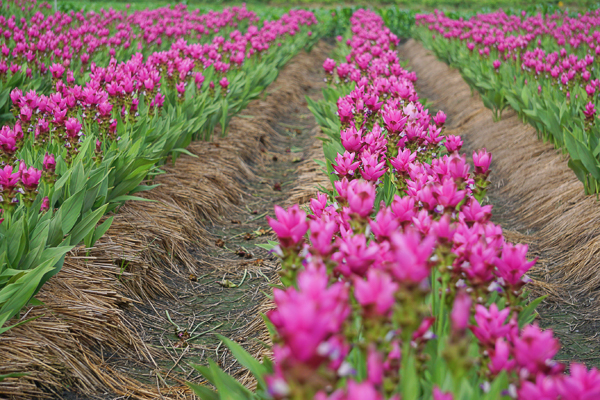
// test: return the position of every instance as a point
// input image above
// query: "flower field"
(244, 204)
(542, 66)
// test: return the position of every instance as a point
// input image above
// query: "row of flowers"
(79, 149)
(544, 66)
(397, 284)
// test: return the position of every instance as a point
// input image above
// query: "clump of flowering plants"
(80, 146)
(397, 285)
(543, 66)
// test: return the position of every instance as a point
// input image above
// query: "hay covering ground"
(94, 329)
(537, 199)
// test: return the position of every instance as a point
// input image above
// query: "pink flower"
(45, 204)
(497, 64)
(394, 120)
(351, 139)
(534, 349)
(8, 178)
(329, 65)
(440, 118)
(581, 384)
(307, 318)
(290, 226)
(384, 225)
(482, 161)
(57, 70)
(355, 256)
(499, 358)
(589, 111)
(453, 143)
(372, 169)
(544, 388)
(224, 83)
(492, 324)
(411, 256)
(361, 198)
(30, 177)
(461, 312)
(439, 395)
(403, 160)
(345, 164)
(447, 194)
(376, 293)
(49, 162)
(321, 235)
(73, 127)
(513, 264)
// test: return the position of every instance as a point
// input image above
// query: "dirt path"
(537, 199)
(129, 317)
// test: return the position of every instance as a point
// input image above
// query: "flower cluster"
(373, 284)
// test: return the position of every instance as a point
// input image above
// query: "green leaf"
(101, 230)
(244, 358)
(85, 225)
(130, 198)
(184, 151)
(527, 315)
(203, 392)
(69, 212)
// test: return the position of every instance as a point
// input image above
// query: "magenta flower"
(290, 226)
(496, 64)
(224, 83)
(361, 198)
(461, 312)
(492, 324)
(57, 70)
(500, 358)
(411, 256)
(403, 160)
(534, 349)
(439, 395)
(447, 194)
(73, 127)
(513, 264)
(199, 80)
(49, 162)
(329, 65)
(345, 164)
(372, 169)
(351, 139)
(30, 177)
(589, 111)
(355, 256)
(384, 225)
(9, 179)
(482, 161)
(321, 235)
(453, 143)
(440, 118)
(45, 204)
(376, 293)
(394, 120)
(581, 384)
(544, 388)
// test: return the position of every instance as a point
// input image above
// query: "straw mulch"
(92, 320)
(535, 193)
